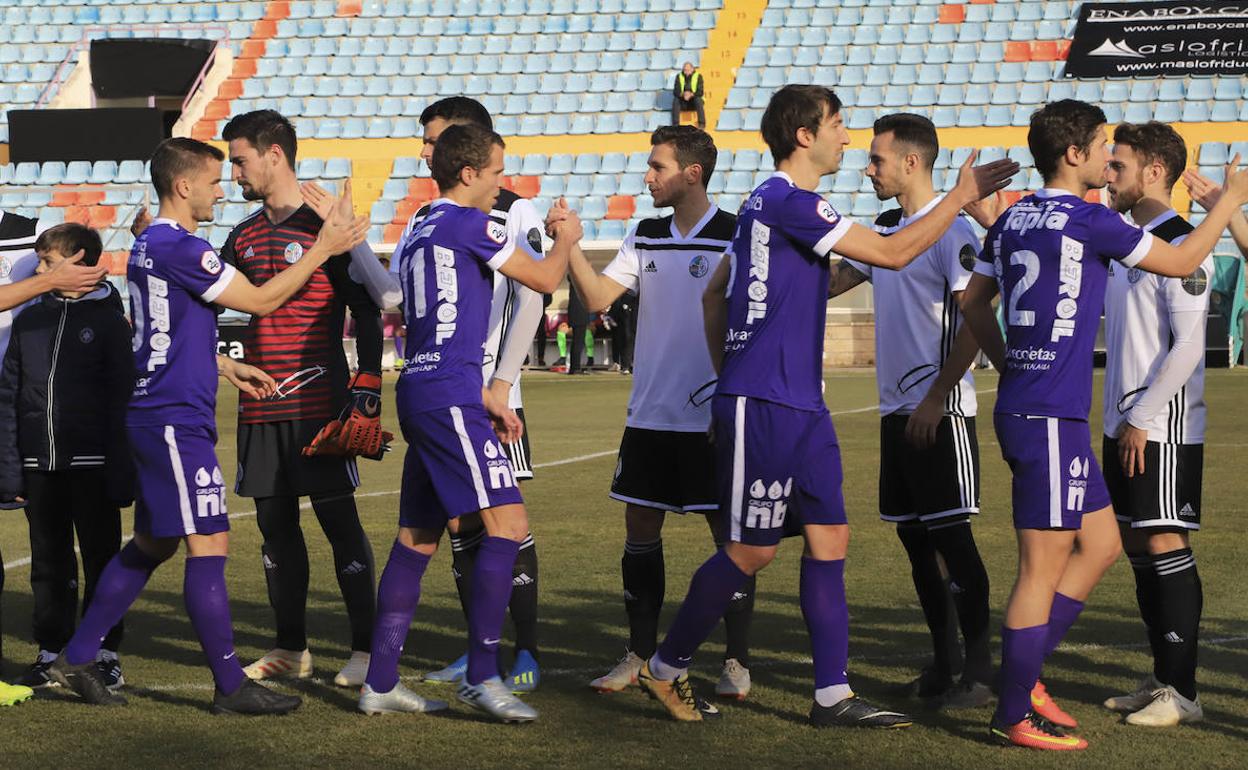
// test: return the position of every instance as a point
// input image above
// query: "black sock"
(968, 585)
(934, 597)
(285, 568)
(737, 622)
(644, 586)
(1146, 589)
(524, 596)
(463, 561)
(353, 563)
(1179, 602)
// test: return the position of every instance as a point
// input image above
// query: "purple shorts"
(454, 465)
(776, 469)
(1056, 475)
(180, 490)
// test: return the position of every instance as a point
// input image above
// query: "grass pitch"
(576, 423)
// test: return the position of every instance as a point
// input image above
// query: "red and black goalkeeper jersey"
(300, 344)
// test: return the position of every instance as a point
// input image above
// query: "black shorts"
(270, 463)
(1166, 494)
(518, 452)
(666, 469)
(933, 483)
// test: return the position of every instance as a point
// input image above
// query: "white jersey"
(17, 262)
(916, 317)
(1140, 309)
(524, 231)
(673, 379)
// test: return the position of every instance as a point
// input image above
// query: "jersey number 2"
(1031, 267)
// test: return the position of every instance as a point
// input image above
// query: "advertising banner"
(1160, 39)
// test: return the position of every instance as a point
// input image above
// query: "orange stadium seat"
(526, 186)
(982, 2)
(232, 88)
(79, 214)
(1041, 50)
(90, 196)
(116, 261)
(422, 188)
(264, 29)
(621, 207)
(218, 109)
(253, 49)
(204, 130)
(243, 68)
(392, 232)
(349, 8)
(1019, 51)
(64, 197)
(277, 10)
(952, 14)
(100, 217)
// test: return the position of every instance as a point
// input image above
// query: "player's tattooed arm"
(68, 275)
(251, 380)
(844, 277)
(923, 422)
(597, 291)
(1206, 192)
(982, 320)
(715, 311)
(900, 248)
(339, 233)
(1180, 261)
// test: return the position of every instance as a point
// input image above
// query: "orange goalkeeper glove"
(357, 430)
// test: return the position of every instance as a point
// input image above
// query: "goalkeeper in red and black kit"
(303, 440)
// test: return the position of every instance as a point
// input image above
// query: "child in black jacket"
(66, 379)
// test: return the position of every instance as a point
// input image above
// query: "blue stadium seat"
(128, 172)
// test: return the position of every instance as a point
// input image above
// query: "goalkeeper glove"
(357, 429)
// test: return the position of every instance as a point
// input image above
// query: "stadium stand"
(576, 84)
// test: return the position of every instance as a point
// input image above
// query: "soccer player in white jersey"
(1049, 256)
(665, 461)
(929, 456)
(1155, 423)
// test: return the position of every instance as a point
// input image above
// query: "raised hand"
(68, 275)
(342, 230)
(558, 212)
(569, 228)
(1236, 183)
(978, 182)
(986, 211)
(1203, 190)
(318, 198)
(142, 219)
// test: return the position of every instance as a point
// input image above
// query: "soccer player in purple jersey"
(777, 462)
(175, 278)
(1049, 255)
(455, 463)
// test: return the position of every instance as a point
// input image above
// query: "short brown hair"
(791, 108)
(1155, 142)
(913, 130)
(262, 129)
(176, 157)
(70, 238)
(460, 146)
(1057, 126)
(692, 145)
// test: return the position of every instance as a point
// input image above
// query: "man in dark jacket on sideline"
(66, 378)
(688, 92)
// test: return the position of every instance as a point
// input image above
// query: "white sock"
(47, 656)
(664, 671)
(832, 694)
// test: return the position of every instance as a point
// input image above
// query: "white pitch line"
(25, 561)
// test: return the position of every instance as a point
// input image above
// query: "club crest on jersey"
(210, 262)
(6, 267)
(1134, 275)
(698, 266)
(86, 335)
(826, 211)
(496, 231)
(1196, 283)
(768, 504)
(967, 256)
(294, 251)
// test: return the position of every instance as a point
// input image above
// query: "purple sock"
(710, 592)
(208, 605)
(398, 593)
(119, 585)
(822, 595)
(491, 592)
(1062, 616)
(1022, 657)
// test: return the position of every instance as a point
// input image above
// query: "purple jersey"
(174, 277)
(1050, 254)
(778, 295)
(445, 270)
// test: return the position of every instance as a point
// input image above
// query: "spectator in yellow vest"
(688, 92)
